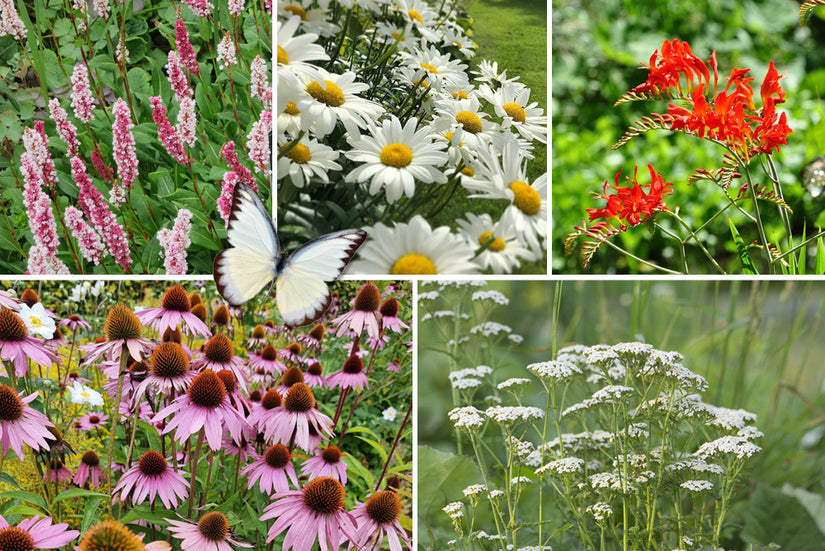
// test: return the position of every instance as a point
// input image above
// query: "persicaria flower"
(227, 55)
(243, 173)
(175, 242)
(236, 7)
(102, 8)
(631, 205)
(166, 133)
(10, 22)
(260, 87)
(88, 241)
(202, 8)
(66, 130)
(186, 53)
(258, 142)
(187, 121)
(82, 101)
(123, 144)
(230, 180)
(177, 78)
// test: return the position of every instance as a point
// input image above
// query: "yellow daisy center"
(283, 59)
(469, 121)
(291, 109)
(398, 37)
(430, 68)
(456, 43)
(332, 96)
(497, 244)
(526, 198)
(468, 171)
(415, 15)
(413, 264)
(298, 154)
(461, 94)
(515, 111)
(396, 154)
(449, 136)
(297, 10)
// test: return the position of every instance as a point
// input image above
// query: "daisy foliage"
(209, 427)
(387, 121)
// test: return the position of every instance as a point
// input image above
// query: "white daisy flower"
(413, 249)
(437, 69)
(331, 98)
(396, 157)
(504, 253)
(295, 51)
(289, 120)
(458, 153)
(312, 20)
(305, 159)
(404, 37)
(488, 72)
(455, 37)
(504, 178)
(423, 18)
(467, 115)
(511, 103)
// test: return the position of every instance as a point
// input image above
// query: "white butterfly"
(255, 259)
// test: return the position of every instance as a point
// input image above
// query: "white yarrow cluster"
(554, 370)
(600, 511)
(466, 417)
(474, 490)
(697, 486)
(514, 382)
(494, 296)
(509, 414)
(454, 510)
(567, 465)
(734, 445)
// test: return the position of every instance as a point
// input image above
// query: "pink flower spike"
(230, 180)
(260, 84)
(82, 101)
(102, 169)
(244, 174)
(186, 127)
(177, 78)
(102, 8)
(236, 7)
(88, 241)
(39, 208)
(166, 134)
(10, 22)
(186, 52)
(66, 130)
(40, 262)
(123, 144)
(36, 145)
(227, 55)
(175, 242)
(258, 142)
(202, 8)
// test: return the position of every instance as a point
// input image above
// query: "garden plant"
(607, 446)
(125, 127)
(140, 415)
(388, 122)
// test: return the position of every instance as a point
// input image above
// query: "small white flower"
(600, 511)
(514, 382)
(37, 320)
(465, 384)
(509, 414)
(390, 413)
(454, 510)
(83, 395)
(735, 445)
(466, 417)
(495, 296)
(521, 480)
(554, 370)
(567, 465)
(697, 486)
(474, 489)
(495, 494)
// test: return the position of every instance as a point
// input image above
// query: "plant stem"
(124, 358)
(394, 445)
(193, 472)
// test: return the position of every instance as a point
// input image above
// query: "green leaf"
(143, 512)
(24, 510)
(139, 82)
(9, 479)
(447, 474)
(819, 264)
(28, 497)
(376, 446)
(77, 492)
(90, 513)
(772, 516)
(742, 250)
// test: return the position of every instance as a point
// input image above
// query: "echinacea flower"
(8, 301)
(314, 375)
(314, 513)
(312, 339)
(413, 248)
(328, 463)
(89, 467)
(272, 471)
(257, 337)
(211, 533)
(168, 370)
(389, 315)
(74, 323)
(218, 354)
(204, 406)
(266, 360)
(35, 533)
(378, 518)
(364, 313)
(123, 331)
(20, 424)
(57, 472)
(264, 411)
(114, 536)
(151, 477)
(291, 421)
(17, 346)
(175, 311)
(291, 376)
(351, 375)
(92, 420)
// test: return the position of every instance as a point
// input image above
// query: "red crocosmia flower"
(632, 205)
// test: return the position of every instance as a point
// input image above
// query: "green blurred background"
(596, 50)
(759, 343)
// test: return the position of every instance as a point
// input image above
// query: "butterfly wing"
(242, 270)
(300, 289)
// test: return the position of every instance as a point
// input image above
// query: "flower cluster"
(399, 119)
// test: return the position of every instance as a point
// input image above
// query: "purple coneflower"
(175, 311)
(73, 376)
(312, 340)
(291, 376)
(389, 313)
(211, 533)
(56, 472)
(266, 360)
(8, 301)
(292, 353)
(35, 533)
(264, 411)
(376, 518)
(364, 314)
(275, 329)
(18, 347)
(257, 338)
(351, 375)
(151, 477)
(222, 319)
(271, 471)
(236, 397)
(314, 513)
(114, 535)
(20, 424)
(92, 420)
(314, 375)
(292, 421)
(329, 464)
(122, 329)
(74, 323)
(89, 467)
(205, 405)
(168, 370)
(218, 354)
(394, 365)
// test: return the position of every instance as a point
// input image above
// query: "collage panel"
(125, 128)
(614, 415)
(688, 137)
(147, 414)
(422, 123)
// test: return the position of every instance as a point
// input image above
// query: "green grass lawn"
(514, 34)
